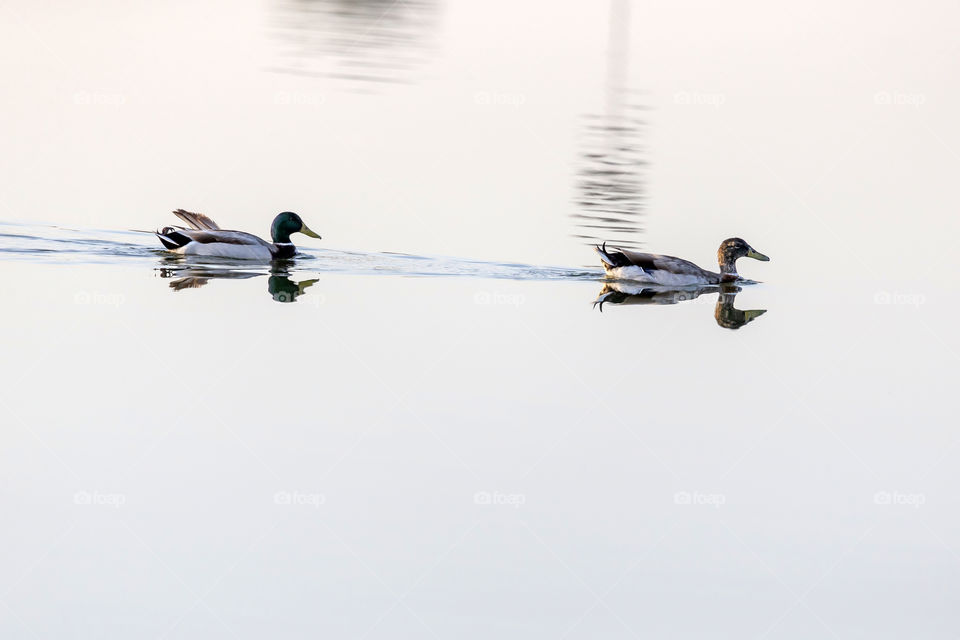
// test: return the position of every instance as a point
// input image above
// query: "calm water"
(439, 421)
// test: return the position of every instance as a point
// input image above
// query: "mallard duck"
(206, 238)
(651, 268)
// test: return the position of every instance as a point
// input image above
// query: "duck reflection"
(283, 289)
(726, 315)
(358, 41)
(280, 286)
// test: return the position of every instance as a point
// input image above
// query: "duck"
(206, 238)
(651, 268)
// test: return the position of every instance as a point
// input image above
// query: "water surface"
(440, 420)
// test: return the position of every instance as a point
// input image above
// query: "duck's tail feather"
(172, 238)
(612, 258)
(601, 299)
(602, 252)
(197, 221)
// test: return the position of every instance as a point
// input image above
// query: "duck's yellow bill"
(307, 231)
(303, 284)
(756, 255)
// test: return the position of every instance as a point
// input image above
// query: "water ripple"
(57, 245)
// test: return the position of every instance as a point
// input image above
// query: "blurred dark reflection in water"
(362, 42)
(280, 286)
(725, 313)
(611, 189)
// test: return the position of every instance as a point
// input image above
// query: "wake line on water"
(59, 245)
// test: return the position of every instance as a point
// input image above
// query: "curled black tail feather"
(172, 239)
(612, 257)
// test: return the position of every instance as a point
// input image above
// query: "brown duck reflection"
(726, 315)
(279, 284)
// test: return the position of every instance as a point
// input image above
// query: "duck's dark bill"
(756, 255)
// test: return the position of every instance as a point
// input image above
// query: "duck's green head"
(734, 248)
(288, 223)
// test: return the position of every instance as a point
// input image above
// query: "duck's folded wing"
(653, 262)
(223, 237)
(196, 221)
